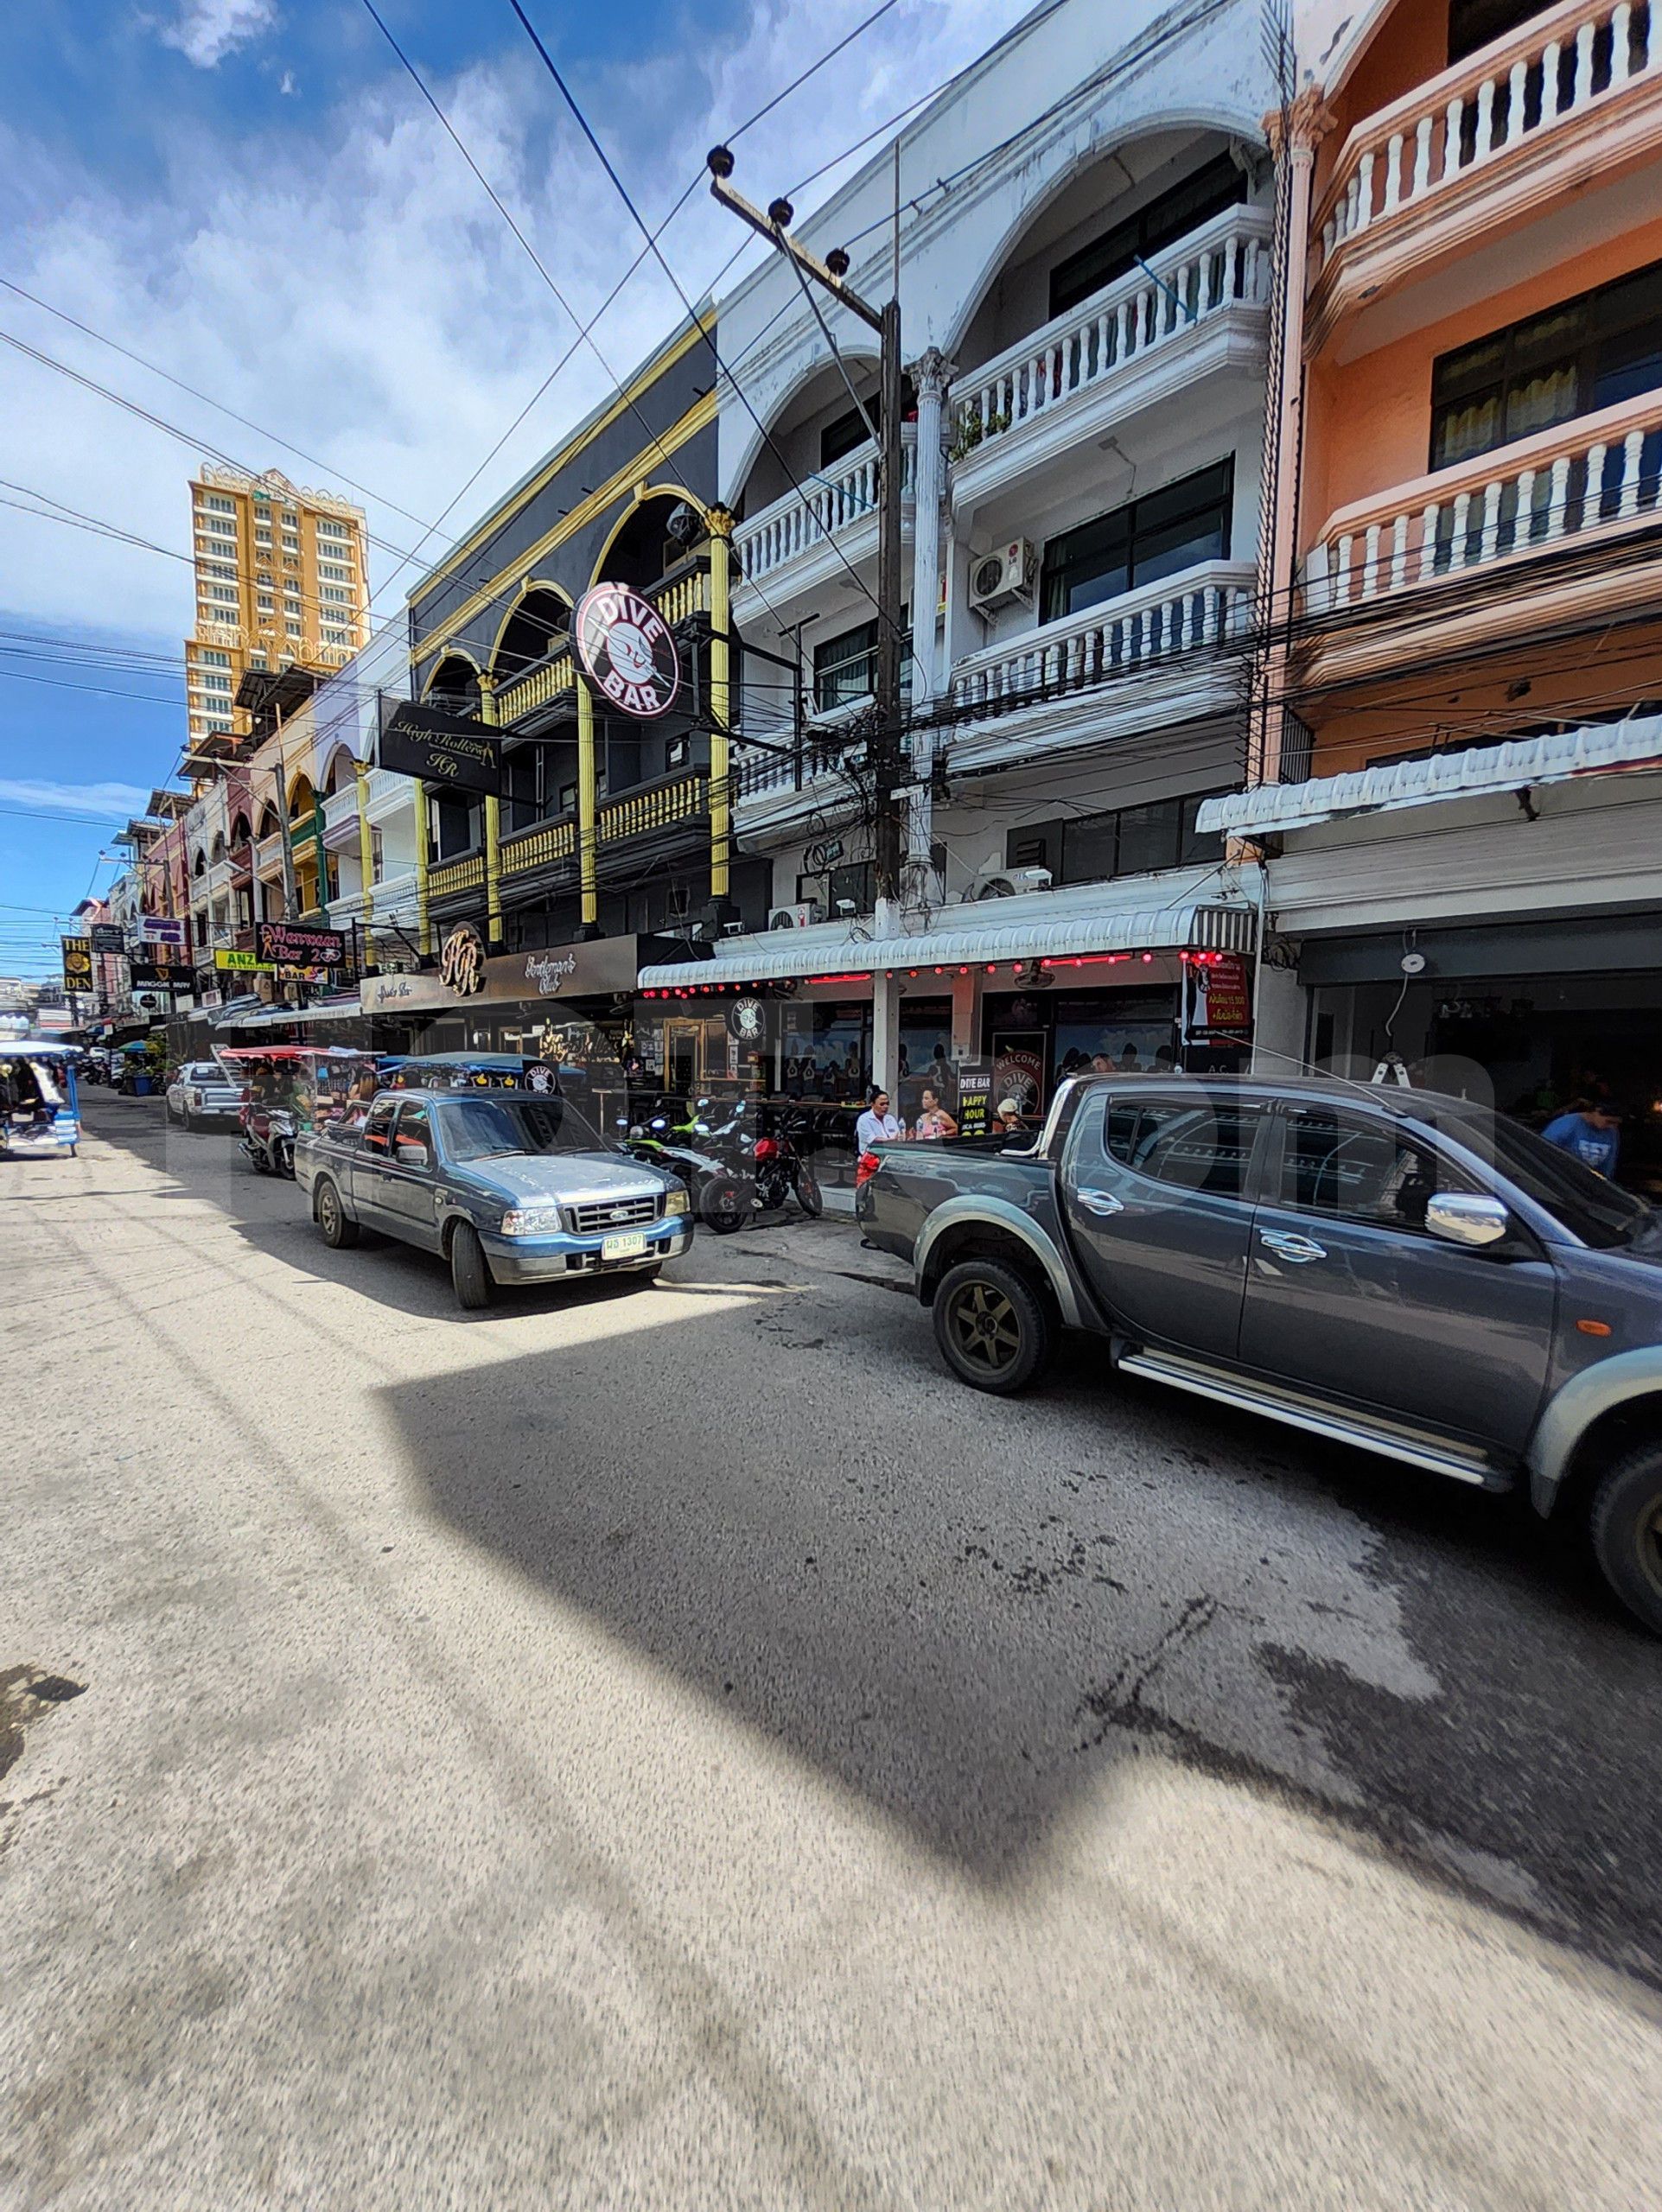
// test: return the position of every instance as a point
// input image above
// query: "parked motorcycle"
(268, 1138)
(782, 1173)
(723, 1198)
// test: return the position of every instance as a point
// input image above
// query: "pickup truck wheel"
(470, 1271)
(1626, 1524)
(992, 1331)
(339, 1234)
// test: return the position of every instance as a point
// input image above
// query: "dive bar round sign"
(627, 651)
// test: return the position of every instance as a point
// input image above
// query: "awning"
(1597, 749)
(1049, 926)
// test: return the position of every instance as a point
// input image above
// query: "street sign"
(108, 936)
(440, 748)
(242, 963)
(151, 976)
(297, 944)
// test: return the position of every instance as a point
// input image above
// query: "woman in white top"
(876, 1125)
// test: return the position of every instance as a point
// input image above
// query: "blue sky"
(251, 195)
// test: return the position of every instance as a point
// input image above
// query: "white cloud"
(205, 31)
(350, 286)
(117, 800)
(287, 85)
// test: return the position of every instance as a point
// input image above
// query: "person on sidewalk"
(876, 1125)
(933, 1120)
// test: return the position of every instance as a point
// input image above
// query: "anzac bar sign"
(294, 944)
(440, 748)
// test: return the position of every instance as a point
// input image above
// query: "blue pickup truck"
(509, 1186)
(1410, 1273)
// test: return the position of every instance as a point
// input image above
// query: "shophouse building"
(1085, 281)
(1457, 789)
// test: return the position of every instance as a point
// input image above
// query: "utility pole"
(890, 827)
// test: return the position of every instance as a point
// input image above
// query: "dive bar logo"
(462, 963)
(627, 651)
(548, 970)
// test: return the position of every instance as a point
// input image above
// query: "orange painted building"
(1457, 785)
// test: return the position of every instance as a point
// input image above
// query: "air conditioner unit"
(796, 917)
(998, 577)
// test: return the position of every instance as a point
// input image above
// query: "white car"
(199, 1094)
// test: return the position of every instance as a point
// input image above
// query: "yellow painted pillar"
(587, 806)
(423, 920)
(493, 827)
(365, 858)
(721, 702)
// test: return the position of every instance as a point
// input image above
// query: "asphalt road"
(672, 1747)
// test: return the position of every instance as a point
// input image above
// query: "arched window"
(269, 824)
(240, 832)
(199, 864)
(302, 798)
(217, 852)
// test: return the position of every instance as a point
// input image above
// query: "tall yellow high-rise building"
(280, 580)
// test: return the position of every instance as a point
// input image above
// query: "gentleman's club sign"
(626, 650)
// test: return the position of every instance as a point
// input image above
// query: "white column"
(930, 377)
(886, 1035)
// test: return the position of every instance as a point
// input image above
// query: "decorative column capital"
(719, 521)
(1295, 131)
(932, 372)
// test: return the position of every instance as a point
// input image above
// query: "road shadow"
(825, 1590)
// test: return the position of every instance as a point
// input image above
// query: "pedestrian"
(876, 1125)
(1129, 1064)
(1101, 1064)
(933, 1120)
(1589, 1132)
(1009, 1119)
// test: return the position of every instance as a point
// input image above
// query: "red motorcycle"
(781, 1171)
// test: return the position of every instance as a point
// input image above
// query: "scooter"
(722, 1198)
(268, 1138)
(782, 1173)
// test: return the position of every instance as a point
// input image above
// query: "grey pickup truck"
(1407, 1273)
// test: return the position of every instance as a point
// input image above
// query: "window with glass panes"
(1159, 535)
(845, 666)
(1220, 184)
(1125, 841)
(1588, 353)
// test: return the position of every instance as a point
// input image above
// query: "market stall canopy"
(1200, 915)
(1477, 773)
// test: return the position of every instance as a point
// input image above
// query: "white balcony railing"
(1596, 475)
(1513, 92)
(835, 500)
(1209, 605)
(1225, 263)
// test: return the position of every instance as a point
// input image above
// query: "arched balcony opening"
(537, 628)
(217, 850)
(1120, 220)
(240, 833)
(455, 684)
(340, 773)
(303, 799)
(269, 823)
(642, 547)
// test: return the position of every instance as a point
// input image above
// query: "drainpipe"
(720, 707)
(1293, 134)
(493, 828)
(424, 919)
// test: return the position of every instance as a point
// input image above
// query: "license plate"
(624, 1248)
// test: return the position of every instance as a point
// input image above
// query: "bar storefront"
(807, 1019)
